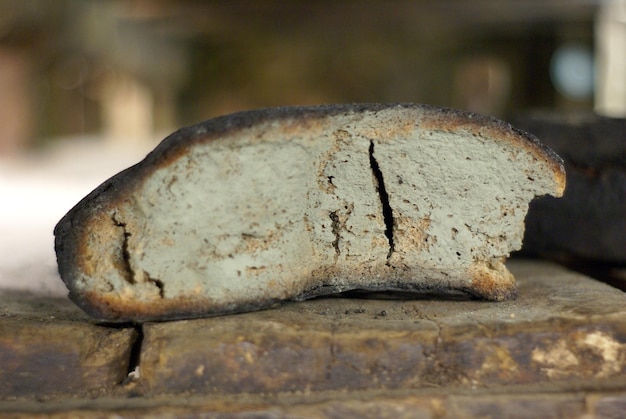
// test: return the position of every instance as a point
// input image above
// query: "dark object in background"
(589, 222)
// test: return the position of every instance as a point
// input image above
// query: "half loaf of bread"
(243, 211)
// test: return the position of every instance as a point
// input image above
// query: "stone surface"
(48, 347)
(559, 350)
(589, 221)
(543, 402)
(563, 326)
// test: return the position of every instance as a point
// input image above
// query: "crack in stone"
(384, 199)
(134, 360)
(128, 274)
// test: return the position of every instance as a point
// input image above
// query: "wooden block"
(48, 347)
(564, 326)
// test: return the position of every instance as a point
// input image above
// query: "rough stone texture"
(589, 221)
(562, 401)
(557, 351)
(562, 327)
(49, 348)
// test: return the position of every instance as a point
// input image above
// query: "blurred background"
(88, 87)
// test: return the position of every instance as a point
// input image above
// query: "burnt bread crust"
(244, 211)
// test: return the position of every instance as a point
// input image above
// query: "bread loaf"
(244, 211)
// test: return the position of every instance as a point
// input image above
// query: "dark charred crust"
(112, 310)
(414, 290)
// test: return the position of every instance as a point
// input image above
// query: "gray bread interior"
(247, 210)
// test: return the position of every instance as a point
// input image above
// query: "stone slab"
(564, 326)
(560, 349)
(562, 401)
(48, 347)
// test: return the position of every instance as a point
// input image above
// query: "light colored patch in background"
(36, 191)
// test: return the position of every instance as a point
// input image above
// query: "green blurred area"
(136, 68)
